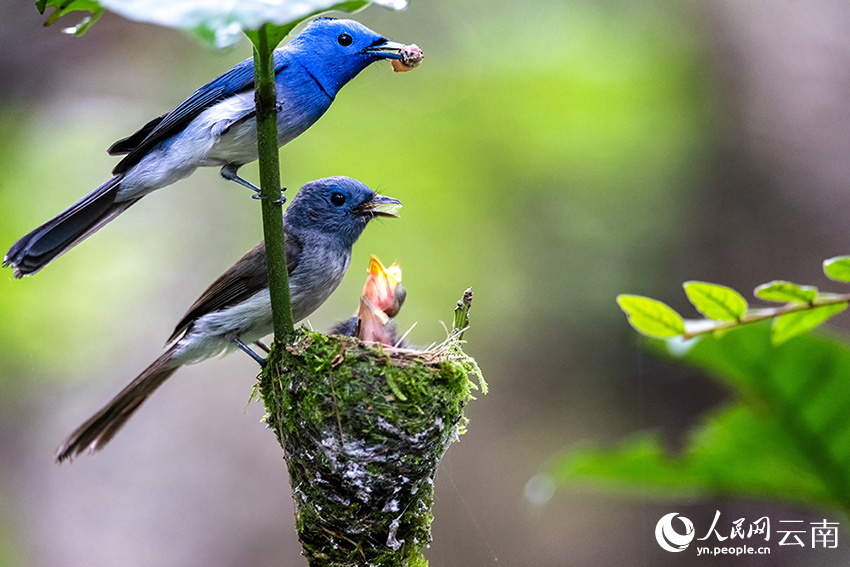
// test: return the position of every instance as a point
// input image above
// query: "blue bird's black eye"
(338, 199)
(344, 39)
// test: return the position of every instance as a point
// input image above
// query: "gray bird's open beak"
(379, 206)
(387, 49)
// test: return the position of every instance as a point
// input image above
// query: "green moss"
(363, 431)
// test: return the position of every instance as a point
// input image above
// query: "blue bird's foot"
(280, 201)
(229, 173)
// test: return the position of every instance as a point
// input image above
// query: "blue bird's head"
(335, 51)
(337, 207)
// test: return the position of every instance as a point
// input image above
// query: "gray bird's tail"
(70, 227)
(102, 426)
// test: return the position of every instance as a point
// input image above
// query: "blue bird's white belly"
(170, 161)
(207, 136)
(234, 124)
(225, 133)
(233, 128)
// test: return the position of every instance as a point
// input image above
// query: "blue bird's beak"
(386, 49)
(379, 206)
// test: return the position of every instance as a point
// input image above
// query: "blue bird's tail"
(70, 227)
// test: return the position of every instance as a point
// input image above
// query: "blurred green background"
(550, 154)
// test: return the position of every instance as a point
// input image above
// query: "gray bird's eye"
(338, 199)
(344, 39)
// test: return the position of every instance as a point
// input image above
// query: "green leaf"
(837, 268)
(796, 323)
(651, 317)
(276, 34)
(63, 7)
(220, 23)
(716, 302)
(784, 436)
(734, 451)
(66, 6)
(779, 290)
(85, 23)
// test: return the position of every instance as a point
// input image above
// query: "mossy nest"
(363, 431)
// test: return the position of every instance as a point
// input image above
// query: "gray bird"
(321, 225)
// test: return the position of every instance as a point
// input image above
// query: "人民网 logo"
(668, 538)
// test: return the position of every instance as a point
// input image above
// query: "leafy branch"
(784, 435)
(804, 307)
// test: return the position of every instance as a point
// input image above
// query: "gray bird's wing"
(241, 281)
(236, 80)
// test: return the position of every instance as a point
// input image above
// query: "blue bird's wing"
(242, 280)
(234, 81)
(128, 144)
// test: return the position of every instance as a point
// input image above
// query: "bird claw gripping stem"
(278, 202)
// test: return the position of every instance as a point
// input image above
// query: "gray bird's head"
(339, 207)
(334, 51)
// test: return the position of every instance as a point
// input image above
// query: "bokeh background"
(550, 154)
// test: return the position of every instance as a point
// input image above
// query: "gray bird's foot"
(249, 351)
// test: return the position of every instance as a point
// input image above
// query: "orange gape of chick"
(381, 300)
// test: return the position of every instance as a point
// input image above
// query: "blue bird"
(321, 225)
(215, 126)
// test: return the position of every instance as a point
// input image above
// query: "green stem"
(769, 313)
(461, 322)
(266, 101)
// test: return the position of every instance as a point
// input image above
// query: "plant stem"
(461, 322)
(266, 101)
(769, 313)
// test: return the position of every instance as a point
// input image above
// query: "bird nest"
(363, 430)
